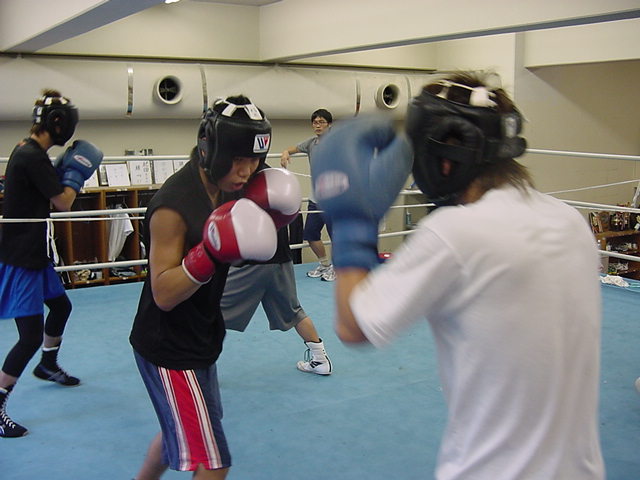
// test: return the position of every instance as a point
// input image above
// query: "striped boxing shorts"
(189, 408)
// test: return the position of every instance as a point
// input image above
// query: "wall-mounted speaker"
(159, 90)
(388, 96)
(168, 90)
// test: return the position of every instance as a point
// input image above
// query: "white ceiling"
(338, 26)
(253, 3)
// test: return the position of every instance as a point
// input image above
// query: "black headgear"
(58, 116)
(230, 130)
(483, 136)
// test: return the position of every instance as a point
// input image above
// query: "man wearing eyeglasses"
(321, 121)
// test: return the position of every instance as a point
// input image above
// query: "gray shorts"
(273, 285)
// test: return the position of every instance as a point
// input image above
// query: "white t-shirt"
(509, 285)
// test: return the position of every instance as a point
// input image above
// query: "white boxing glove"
(277, 191)
(238, 230)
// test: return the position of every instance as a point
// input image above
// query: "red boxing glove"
(237, 230)
(277, 191)
(198, 265)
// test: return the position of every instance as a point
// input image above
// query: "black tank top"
(189, 336)
(31, 181)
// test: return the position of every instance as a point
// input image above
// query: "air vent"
(388, 96)
(168, 90)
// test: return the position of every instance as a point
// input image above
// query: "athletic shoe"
(59, 376)
(329, 275)
(9, 428)
(311, 366)
(318, 271)
(315, 360)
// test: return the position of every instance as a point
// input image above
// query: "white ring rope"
(535, 151)
(97, 212)
(623, 256)
(562, 153)
(600, 206)
(74, 216)
(104, 215)
(86, 215)
(110, 214)
(98, 266)
(593, 187)
(413, 205)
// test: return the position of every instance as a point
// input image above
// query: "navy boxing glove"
(78, 163)
(358, 169)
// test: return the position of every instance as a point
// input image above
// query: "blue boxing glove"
(78, 163)
(358, 170)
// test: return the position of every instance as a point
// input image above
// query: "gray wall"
(576, 86)
(584, 108)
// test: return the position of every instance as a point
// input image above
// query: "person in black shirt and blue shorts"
(192, 234)
(28, 280)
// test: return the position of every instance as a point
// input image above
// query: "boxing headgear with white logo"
(234, 127)
(482, 136)
(58, 116)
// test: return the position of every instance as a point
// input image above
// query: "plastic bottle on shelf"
(604, 260)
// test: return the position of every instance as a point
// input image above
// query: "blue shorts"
(189, 408)
(23, 290)
(313, 225)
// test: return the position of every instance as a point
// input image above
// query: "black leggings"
(30, 331)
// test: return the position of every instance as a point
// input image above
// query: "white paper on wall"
(162, 169)
(118, 175)
(92, 181)
(178, 164)
(140, 172)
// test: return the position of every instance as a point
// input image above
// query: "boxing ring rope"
(600, 206)
(535, 151)
(563, 153)
(582, 189)
(100, 266)
(109, 214)
(104, 215)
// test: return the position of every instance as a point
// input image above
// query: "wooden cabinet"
(85, 239)
(624, 242)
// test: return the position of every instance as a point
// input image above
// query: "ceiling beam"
(337, 26)
(30, 25)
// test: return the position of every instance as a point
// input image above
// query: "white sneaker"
(329, 275)
(315, 360)
(318, 271)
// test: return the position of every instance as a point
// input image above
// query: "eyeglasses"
(319, 123)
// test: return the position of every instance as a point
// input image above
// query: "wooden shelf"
(88, 241)
(611, 241)
(614, 234)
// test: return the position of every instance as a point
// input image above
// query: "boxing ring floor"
(379, 416)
